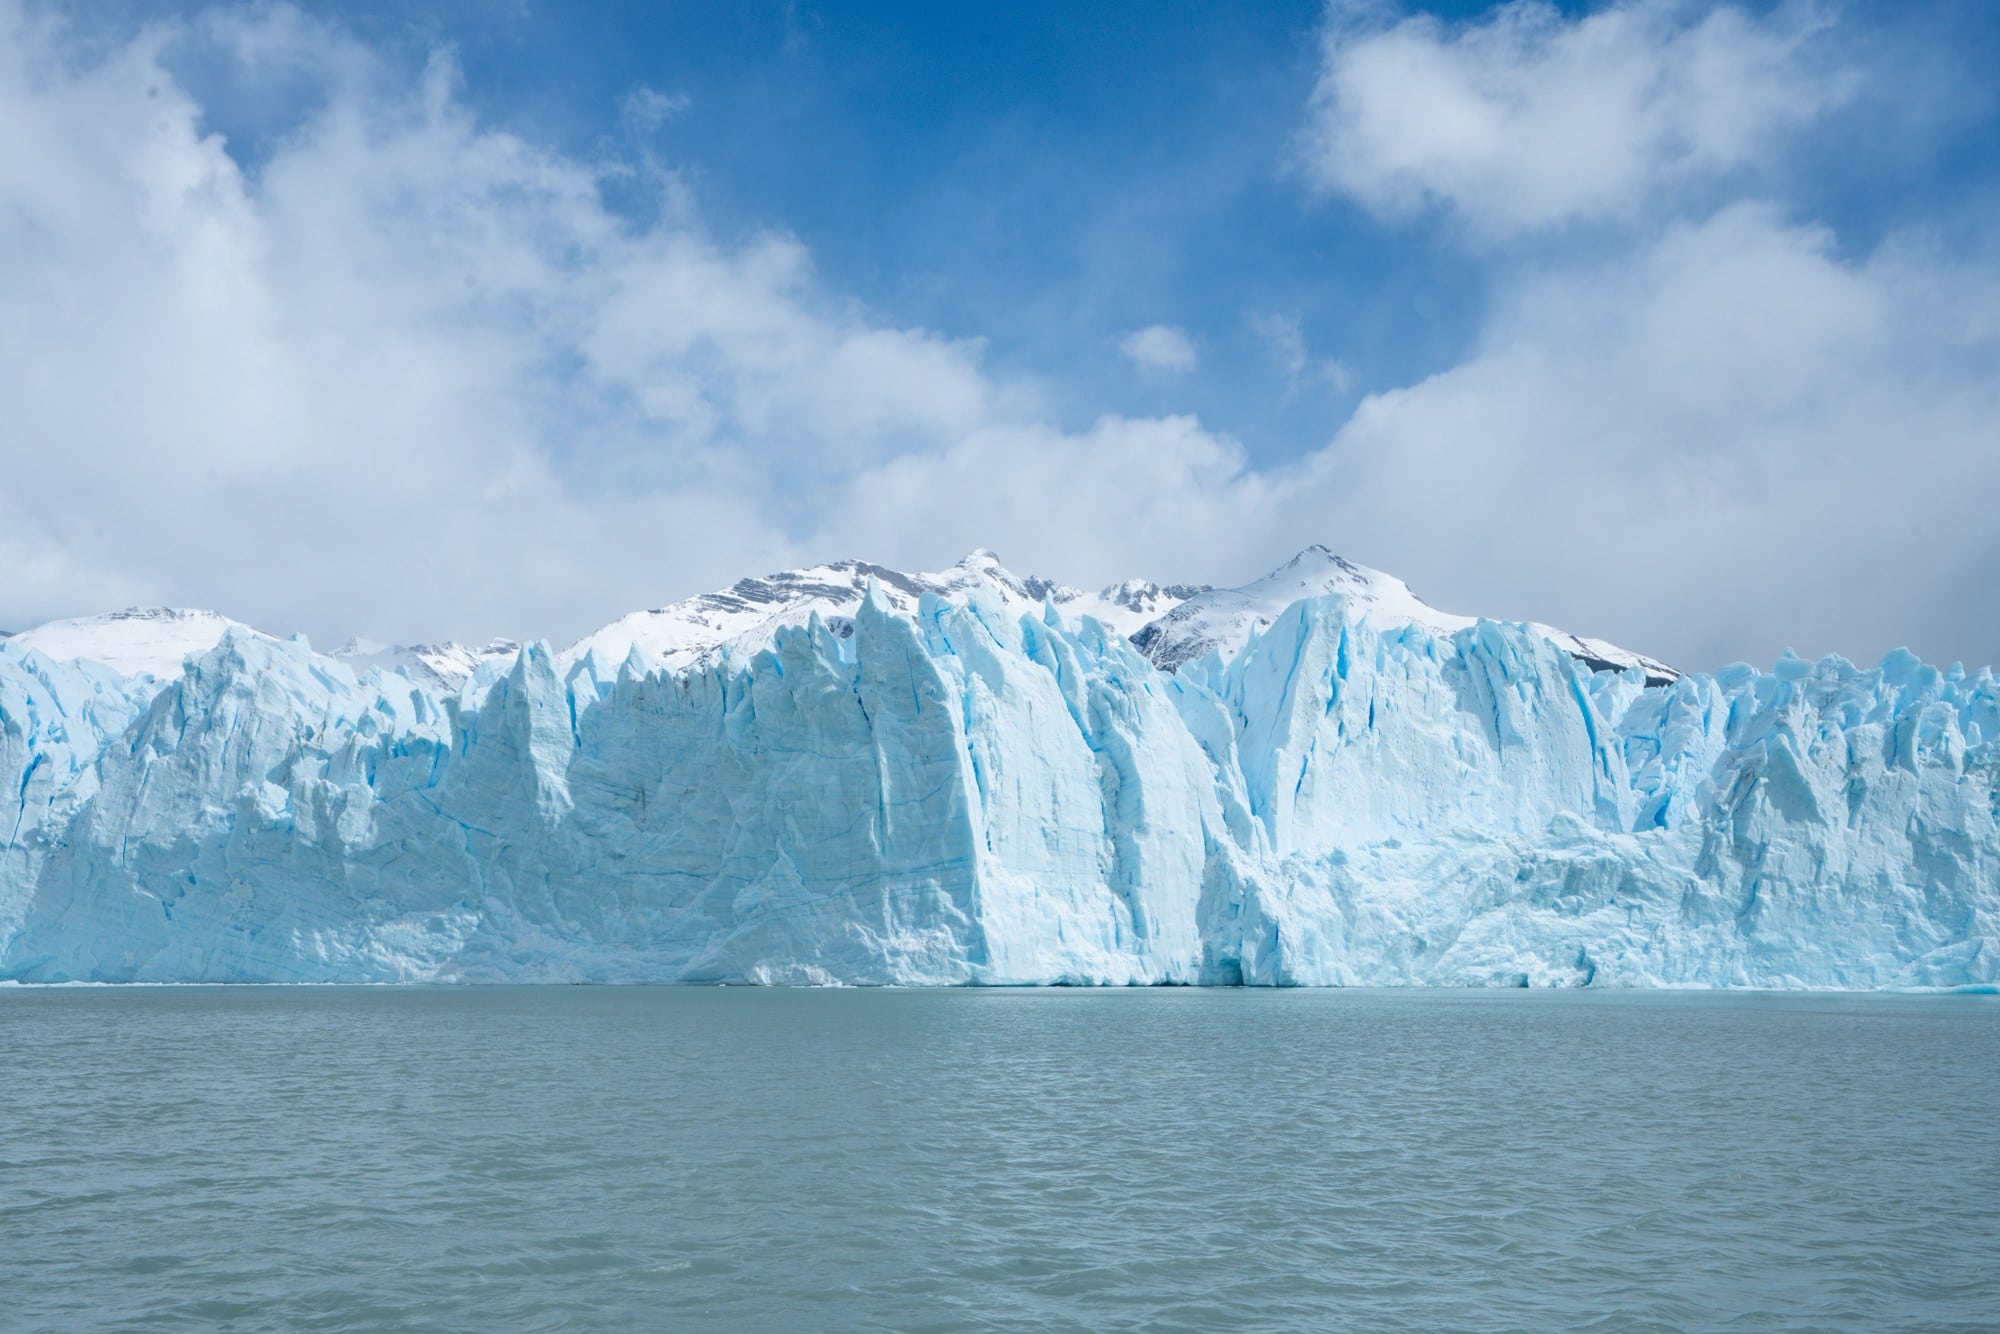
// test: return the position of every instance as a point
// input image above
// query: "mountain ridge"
(1172, 624)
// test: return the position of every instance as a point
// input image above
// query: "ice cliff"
(978, 789)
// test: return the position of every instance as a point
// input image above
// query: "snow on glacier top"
(154, 643)
(138, 641)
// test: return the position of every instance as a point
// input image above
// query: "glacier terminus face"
(971, 778)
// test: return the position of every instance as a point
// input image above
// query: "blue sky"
(1043, 180)
(1049, 177)
(1664, 320)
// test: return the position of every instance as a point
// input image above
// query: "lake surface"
(542, 1158)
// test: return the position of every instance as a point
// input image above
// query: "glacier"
(925, 784)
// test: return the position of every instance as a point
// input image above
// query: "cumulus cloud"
(1162, 349)
(344, 376)
(1524, 119)
(1728, 441)
(1716, 431)
(1151, 495)
(411, 375)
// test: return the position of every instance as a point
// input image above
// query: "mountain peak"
(1224, 618)
(699, 629)
(1321, 557)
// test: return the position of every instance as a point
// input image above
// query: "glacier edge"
(964, 794)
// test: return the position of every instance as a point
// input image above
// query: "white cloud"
(1158, 497)
(1524, 119)
(1727, 441)
(412, 376)
(1162, 349)
(1716, 431)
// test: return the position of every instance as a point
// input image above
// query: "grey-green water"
(581, 1158)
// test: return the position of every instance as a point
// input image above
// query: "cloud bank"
(413, 376)
(402, 373)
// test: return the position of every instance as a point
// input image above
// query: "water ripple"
(563, 1158)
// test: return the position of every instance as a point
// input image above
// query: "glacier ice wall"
(968, 795)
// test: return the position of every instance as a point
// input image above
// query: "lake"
(569, 1157)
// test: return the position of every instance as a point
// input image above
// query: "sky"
(1672, 322)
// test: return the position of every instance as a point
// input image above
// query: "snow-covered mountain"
(744, 617)
(1221, 620)
(1171, 624)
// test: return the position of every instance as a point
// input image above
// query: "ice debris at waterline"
(965, 789)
